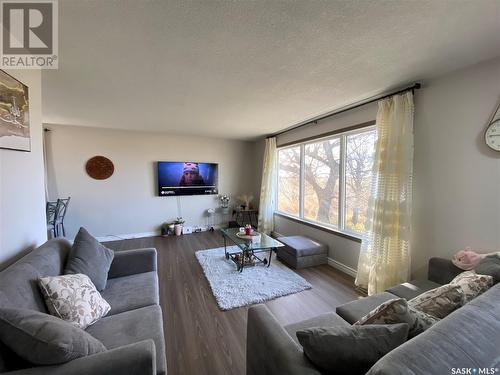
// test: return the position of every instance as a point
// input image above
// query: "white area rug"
(254, 285)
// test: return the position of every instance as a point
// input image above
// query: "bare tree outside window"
(322, 170)
(289, 180)
(322, 177)
(360, 150)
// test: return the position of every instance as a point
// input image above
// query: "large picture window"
(327, 181)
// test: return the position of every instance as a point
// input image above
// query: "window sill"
(324, 228)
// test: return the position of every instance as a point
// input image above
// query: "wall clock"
(492, 135)
(99, 168)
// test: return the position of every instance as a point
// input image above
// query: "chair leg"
(64, 231)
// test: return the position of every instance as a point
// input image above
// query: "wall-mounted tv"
(187, 178)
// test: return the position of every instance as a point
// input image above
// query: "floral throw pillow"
(398, 311)
(73, 298)
(472, 284)
(439, 302)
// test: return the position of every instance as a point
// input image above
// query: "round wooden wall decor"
(99, 167)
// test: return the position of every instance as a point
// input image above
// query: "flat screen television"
(187, 178)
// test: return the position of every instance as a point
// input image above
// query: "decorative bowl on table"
(254, 237)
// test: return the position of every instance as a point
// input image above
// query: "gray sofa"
(467, 338)
(132, 331)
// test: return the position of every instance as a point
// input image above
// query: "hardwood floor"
(200, 338)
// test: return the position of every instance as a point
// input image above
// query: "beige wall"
(22, 197)
(456, 177)
(127, 203)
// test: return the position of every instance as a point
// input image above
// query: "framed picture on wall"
(14, 114)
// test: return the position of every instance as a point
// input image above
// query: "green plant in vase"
(178, 225)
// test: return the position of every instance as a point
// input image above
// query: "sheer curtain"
(384, 260)
(268, 188)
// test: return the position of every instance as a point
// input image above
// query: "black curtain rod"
(372, 99)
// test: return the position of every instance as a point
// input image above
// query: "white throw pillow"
(73, 298)
(472, 284)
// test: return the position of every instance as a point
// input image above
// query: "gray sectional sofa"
(467, 338)
(132, 331)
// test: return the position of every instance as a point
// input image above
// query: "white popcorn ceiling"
(243, 69)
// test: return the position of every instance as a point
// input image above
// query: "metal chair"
(50, 212)
(61, 209)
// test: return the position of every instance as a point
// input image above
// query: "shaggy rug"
(256, 284)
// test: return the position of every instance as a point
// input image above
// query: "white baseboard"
(128, 236)
(342, 267)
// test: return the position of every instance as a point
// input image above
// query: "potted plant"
(178, 225)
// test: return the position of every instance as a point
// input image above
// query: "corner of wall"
(22, 196)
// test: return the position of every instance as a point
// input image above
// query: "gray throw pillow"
(353, 349)
(10, 361)
(43, 339)
(89, 257)
(490, 266)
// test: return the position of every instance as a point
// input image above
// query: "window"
(327, 181)
(360, 149)
(321, 181)
(289, 180)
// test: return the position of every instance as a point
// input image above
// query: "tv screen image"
(186, 178)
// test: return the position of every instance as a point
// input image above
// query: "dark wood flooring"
(200, 338)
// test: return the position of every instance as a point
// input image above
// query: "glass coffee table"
(245, 255)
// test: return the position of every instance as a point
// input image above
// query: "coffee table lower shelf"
(248, 258)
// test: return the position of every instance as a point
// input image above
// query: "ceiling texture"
(243, 69)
